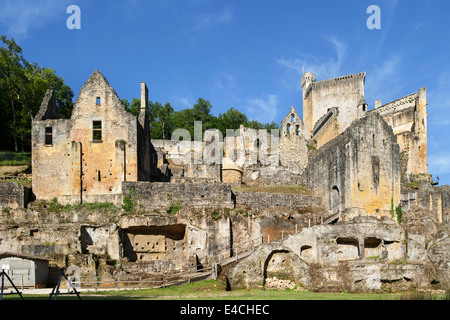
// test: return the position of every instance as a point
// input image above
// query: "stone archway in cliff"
(279, 264)
(335, 201)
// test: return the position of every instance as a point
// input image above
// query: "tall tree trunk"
(14, 118)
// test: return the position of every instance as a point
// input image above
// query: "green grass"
(25, 183)
(55, 207)
(10, 158)
(215, 290)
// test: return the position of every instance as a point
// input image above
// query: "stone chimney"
(144, 96)
(143, 113)
(377, 103)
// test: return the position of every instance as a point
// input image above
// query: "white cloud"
(384, 81)
(224, 85)
(323, 68)
(439, 95)
(439, 163)
(212, 20)
(21, 16)
(263, 109)
(184, 102)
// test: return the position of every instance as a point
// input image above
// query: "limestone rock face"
(364, 254)
(439, 254)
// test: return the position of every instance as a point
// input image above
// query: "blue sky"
(246, 54)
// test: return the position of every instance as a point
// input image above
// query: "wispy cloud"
(21, 16)
(388, 13)
(440, 93)
(263, 109)
(384, 80)
(210, 20)
(439, 163)
(323, 68)
(224, 85)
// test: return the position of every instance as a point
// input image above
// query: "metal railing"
(167, 280)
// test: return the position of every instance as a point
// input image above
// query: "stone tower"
(319, 97)
(293, 150)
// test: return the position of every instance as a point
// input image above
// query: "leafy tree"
(133, 108)
(161, 120)
(22, 88)
(231, 119)
(11, 78)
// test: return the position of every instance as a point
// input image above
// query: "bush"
(173, 209)
(129, 201)
(399, 213)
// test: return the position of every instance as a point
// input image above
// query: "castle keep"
(324, 201)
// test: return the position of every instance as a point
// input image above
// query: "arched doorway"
(279, 264)
(335, 201)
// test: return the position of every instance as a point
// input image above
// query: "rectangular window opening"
(49, 136)
(97, 131)
(99, 100)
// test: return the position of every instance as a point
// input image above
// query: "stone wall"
(360, 256)
(159, 195)
(94, 239)
(326, 128)
(293, 153)
(13, 195)
(358, 170)
(434, 200)
(408, 118)
(263, 200)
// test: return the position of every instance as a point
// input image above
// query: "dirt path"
(11, 170)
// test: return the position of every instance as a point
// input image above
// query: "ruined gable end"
(48, 109)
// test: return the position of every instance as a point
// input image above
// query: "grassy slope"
(212, 290)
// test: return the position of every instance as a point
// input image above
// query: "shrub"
(173, 209)
(399, 213)
(392, 207)
(129, 201)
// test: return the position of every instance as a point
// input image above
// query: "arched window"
(297, 130)
(292, 118)
(288, 128)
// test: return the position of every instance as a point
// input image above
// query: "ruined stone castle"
(368, 216)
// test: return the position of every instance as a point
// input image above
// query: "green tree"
(134, 107)
(12, 78)
(22, 88)
(161, 120)
(231, 119)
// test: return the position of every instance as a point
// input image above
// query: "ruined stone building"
(87, 157)
(353, 158)
(352, 164)
(408, 118)
(331, 106)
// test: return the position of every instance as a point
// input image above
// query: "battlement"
(407, 101)
(343, 92)
(338, 80)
